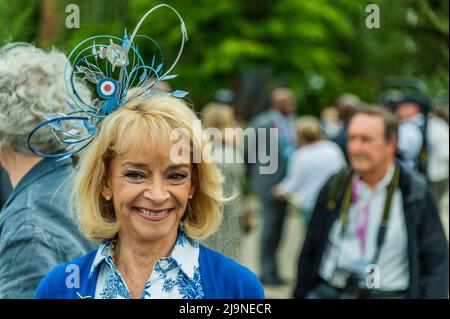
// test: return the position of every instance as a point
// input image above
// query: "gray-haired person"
(37, 231)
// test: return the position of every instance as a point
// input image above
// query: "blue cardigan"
(222, 278)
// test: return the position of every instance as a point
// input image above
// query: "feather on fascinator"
(113, 65)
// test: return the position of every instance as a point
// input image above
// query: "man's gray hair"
(389, 120)
(31, 86)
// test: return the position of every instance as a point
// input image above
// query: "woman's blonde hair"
(308, 129)
(155, 117)
(220, 116)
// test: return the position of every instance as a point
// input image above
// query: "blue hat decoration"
(113, 65)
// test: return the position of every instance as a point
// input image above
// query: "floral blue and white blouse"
(176, 276)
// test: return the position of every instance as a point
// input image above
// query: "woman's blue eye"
(134, 175)
(177, 176)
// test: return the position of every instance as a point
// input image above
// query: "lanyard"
(344, 216)
(362, 228)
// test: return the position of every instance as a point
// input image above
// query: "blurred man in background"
(347, 104)
(438, 156)
(411, 135)
(375, 230)
(280, 116)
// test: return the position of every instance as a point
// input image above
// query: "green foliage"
(18, 20)
(319, 48)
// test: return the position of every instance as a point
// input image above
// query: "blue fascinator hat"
(113, 65)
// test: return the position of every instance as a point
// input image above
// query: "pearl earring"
(108, 198)
(190, 196)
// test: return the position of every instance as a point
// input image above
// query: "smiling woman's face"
(149, 191)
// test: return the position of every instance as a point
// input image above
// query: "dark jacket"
(341, 140)
(427, 244)
(261, 183)
(5, 187)
(37, 230)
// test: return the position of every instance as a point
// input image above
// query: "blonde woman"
(310, 166)
(229, 158)
(148, 208)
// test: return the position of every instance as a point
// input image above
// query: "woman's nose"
(157, 193)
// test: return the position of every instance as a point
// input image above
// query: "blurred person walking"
(330, 123)
(310, 167)
(424, 143)
(280, 116)
(411, 134)
(375, 231)
(229, 158)
(347, 104)
(438, 156)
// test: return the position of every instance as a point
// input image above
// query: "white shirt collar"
(384, 182)
(185, 254)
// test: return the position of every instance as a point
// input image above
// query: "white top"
(393, 259)
(410, 141)
(309, 168)
(438, 149)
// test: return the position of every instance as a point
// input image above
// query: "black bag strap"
(334, 195)
(387, 209)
